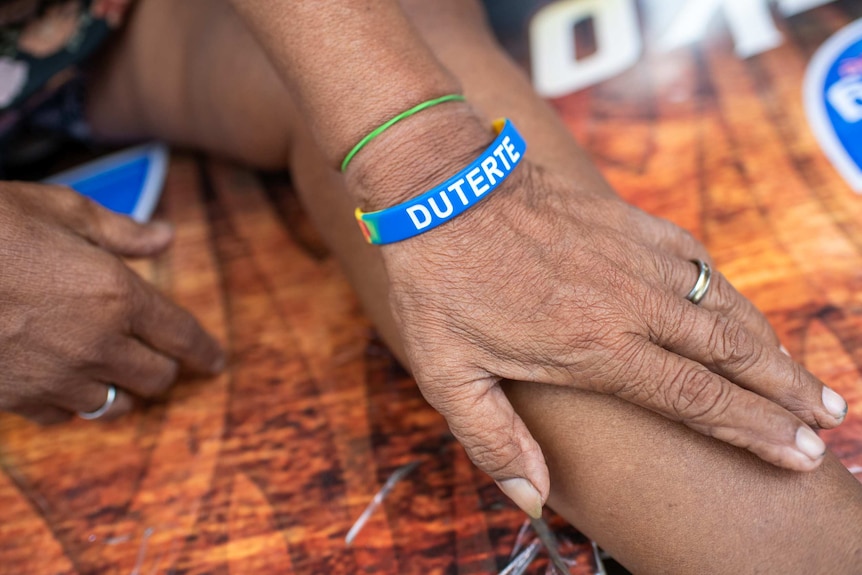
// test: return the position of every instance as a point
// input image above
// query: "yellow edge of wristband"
(498, 125)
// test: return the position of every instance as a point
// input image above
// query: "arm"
(551, 279)
(350, 65)
(546, 280)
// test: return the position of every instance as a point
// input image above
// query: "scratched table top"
(265, 468)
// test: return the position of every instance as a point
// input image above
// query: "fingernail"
(808, 443)
(834, 403)
(524, 495)
(784, 351)
(162, 228)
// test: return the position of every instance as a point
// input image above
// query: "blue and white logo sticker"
(833, 101)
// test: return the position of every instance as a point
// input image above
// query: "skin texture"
(583, 258)
(75, 318)
(661, 497)
(716, 368)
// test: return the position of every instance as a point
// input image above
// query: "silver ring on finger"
(90, 415)
(701, 286)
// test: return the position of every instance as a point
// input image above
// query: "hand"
(545, 282)
(74, 318)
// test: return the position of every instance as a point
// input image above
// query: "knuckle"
(48, 390)
(496, 444)
(46, 387)
(80, 357)
(695, 395)
(114, 283)
(77, 209)
(67, 199)
(664, 317)
(795, 396)
(732, 346)
(665, 268)
(614, 376)
(802, 381)
(631, 386)
(447, 397)
(725, 295)
(498, 452)
(494, 461)
(89, 210)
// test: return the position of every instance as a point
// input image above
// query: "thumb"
(496, 440)
(122, 235)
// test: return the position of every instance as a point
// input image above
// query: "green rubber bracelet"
(415, 110)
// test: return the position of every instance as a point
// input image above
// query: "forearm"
(350, 65)
(347, 78)
(660, 497)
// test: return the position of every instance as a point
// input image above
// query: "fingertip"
(123, 235)
(834, 404)
(209, 357)
(132, 239)
(498, 442)
(163, 227)
(219, 363)
(805, 453)
(810, 445)
(160, 235)
(524, 495)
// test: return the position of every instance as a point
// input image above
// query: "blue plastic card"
(128, 182)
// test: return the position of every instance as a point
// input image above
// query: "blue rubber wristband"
(451, 198)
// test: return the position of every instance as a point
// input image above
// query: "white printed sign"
(673, 23)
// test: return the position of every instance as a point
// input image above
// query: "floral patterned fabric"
(43, 43)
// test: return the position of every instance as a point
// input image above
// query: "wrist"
(451, 198)
(416, 154)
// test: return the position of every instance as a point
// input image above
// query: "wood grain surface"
(265, 468)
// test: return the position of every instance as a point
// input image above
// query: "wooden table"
(264, 469)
